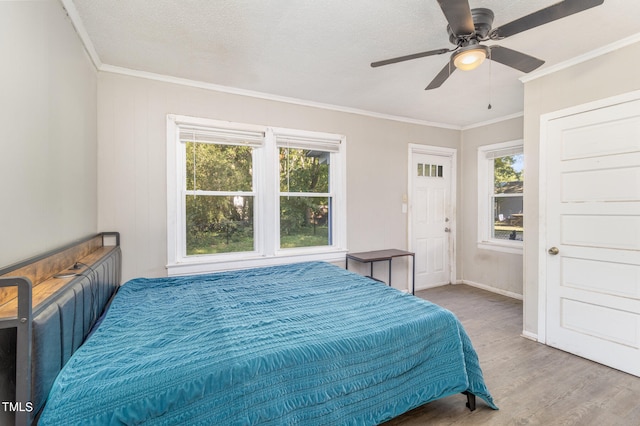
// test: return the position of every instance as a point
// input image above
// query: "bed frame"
(48, 305)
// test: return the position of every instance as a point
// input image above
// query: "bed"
(306, 343)
(48, 305)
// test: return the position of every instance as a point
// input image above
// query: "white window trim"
(485, 210)
(266, 204)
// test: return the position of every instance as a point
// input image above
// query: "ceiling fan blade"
(543, 16)
(514, 59)
(442, 76)
(409, 57)
(458, 15)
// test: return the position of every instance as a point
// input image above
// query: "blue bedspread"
(305, 344)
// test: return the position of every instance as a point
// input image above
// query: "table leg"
(413, 277)
(390, 271)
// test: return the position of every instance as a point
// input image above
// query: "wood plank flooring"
(531, 383)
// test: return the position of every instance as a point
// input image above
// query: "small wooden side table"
(380, 256)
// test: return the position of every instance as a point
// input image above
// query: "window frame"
(486, 195)
(266, 188)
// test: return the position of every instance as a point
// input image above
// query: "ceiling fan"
(468, 28)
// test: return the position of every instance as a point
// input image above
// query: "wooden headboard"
(48, 305)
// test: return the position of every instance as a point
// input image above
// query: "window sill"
(251, 260)
(503, 247)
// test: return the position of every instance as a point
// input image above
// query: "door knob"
(553, 251)
(447, 230)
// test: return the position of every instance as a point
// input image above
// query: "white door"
(593, 235)
(431, 219)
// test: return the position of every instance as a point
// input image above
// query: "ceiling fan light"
(471, 59)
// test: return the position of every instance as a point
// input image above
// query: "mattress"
(306, 343)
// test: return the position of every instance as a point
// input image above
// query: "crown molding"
(582, 58)
(266, 96)
(493, 121)
(74, 16)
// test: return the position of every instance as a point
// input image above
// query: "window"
(305, 201)
(242, 195)
(218, 198)
(429, 170)
(500, 196)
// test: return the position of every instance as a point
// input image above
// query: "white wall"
(486, 268)
(132, 155)
(608, 75)
(48, 145)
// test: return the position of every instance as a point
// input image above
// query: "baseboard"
(529, 335)
(433, 286)
(491, 289)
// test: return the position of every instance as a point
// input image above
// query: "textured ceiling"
(320, 51)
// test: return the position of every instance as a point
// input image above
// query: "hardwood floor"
(533, 384)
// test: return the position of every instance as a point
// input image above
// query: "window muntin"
(430, 170)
